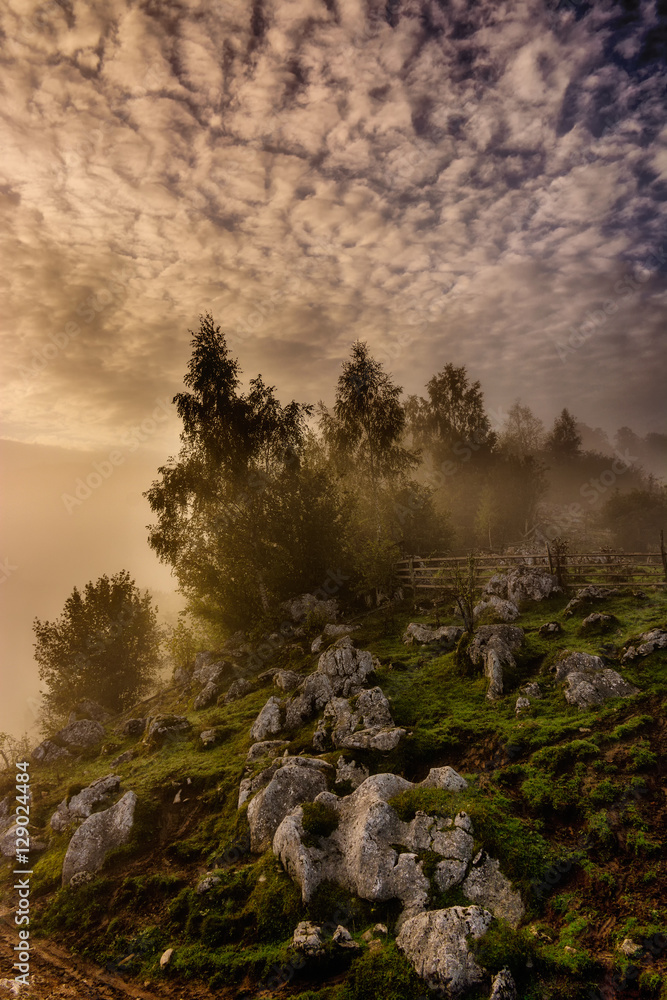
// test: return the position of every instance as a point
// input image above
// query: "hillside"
(570, 802)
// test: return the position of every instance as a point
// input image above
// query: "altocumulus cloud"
(450, 181)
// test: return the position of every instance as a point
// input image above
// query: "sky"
(481, 183)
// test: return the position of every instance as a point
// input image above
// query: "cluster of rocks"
(74, 737)
(523, 583)
(81, 805)
(588, 683)
(647, 643)
(355, 717)
(586, 596)
(330, 632)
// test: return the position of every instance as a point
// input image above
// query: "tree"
(452, 422)
(368, 419)
(104, 646)
(245, 514)
(522, 433)
(564, 442)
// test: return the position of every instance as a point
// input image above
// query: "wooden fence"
(641, 569)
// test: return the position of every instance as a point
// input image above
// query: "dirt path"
(55, 974)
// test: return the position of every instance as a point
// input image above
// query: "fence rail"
(581, 568)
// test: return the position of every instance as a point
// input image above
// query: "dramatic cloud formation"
(471, 181)
(450, 181)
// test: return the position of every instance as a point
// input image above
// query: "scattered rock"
(446, 637)
(299, 608)
(370, 710)
(307, 938)
(435, 943)
(549, 630)
(133, 727)
(82, 734)
(208, 695)
(237, 689)
(588, 682)
(97, 835)
(523, 583)
(209, 737)
(493, 645)
(648, 643)
(532, 690)
(165, 957)
(124, 758)
(212, 671)
(81, 878)
(629, 947)
(446, 778)
(346, 668)
(208, 882)
(268, 721)
(266, 748)
(503, 986)
(343, 938)
(522, 705)
(585, 596)
(47, 752)
(505, 610)
(488, 887)
(162, 727)
(598, 624)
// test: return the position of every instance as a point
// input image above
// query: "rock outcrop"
(507, 611)
(47, 752)
(436, 945)
(165, 727)
(300, 607)
(361, 852)
(446, 637)
(648, 643)
(588, 683)
(493, 646)
(97, 835)
(523, 583)
(503, 986)
(360, 723)
(586, 596)
(81, 805)
(269, 721)
(487, 886)
(300, 780)
(80, 735)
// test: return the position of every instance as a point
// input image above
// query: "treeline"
(264, 500)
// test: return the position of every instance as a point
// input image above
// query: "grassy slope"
(572, 802)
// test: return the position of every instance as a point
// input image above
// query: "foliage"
(104, 646)
(564, 442)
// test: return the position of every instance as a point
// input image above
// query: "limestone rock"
(488, 887)
(269, 721)
(287, 680)
(532, 690)
(291, 785)
(92, 710)
(522, 705)
(82, 734)
(307, 938)
(493, 645)
(237, 689)
(446, 637)
(350, 771)
(265, 748)
(47, 752)
(588, 682)
(648, 643)
(300, 607)
(165, 957)
(549, 630)
(343, 938)
(361, 854)
(311, 697)
(209, 737)
(446, 778)
(503, 986)
(598, 624)
(81, 805)
(97, 835)
(165, 727)
(506, 610)
(208, 882)
(370, 710)
(346, 668)
(207, 696)
(585, 596)
(523, 583)
(435, 944)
